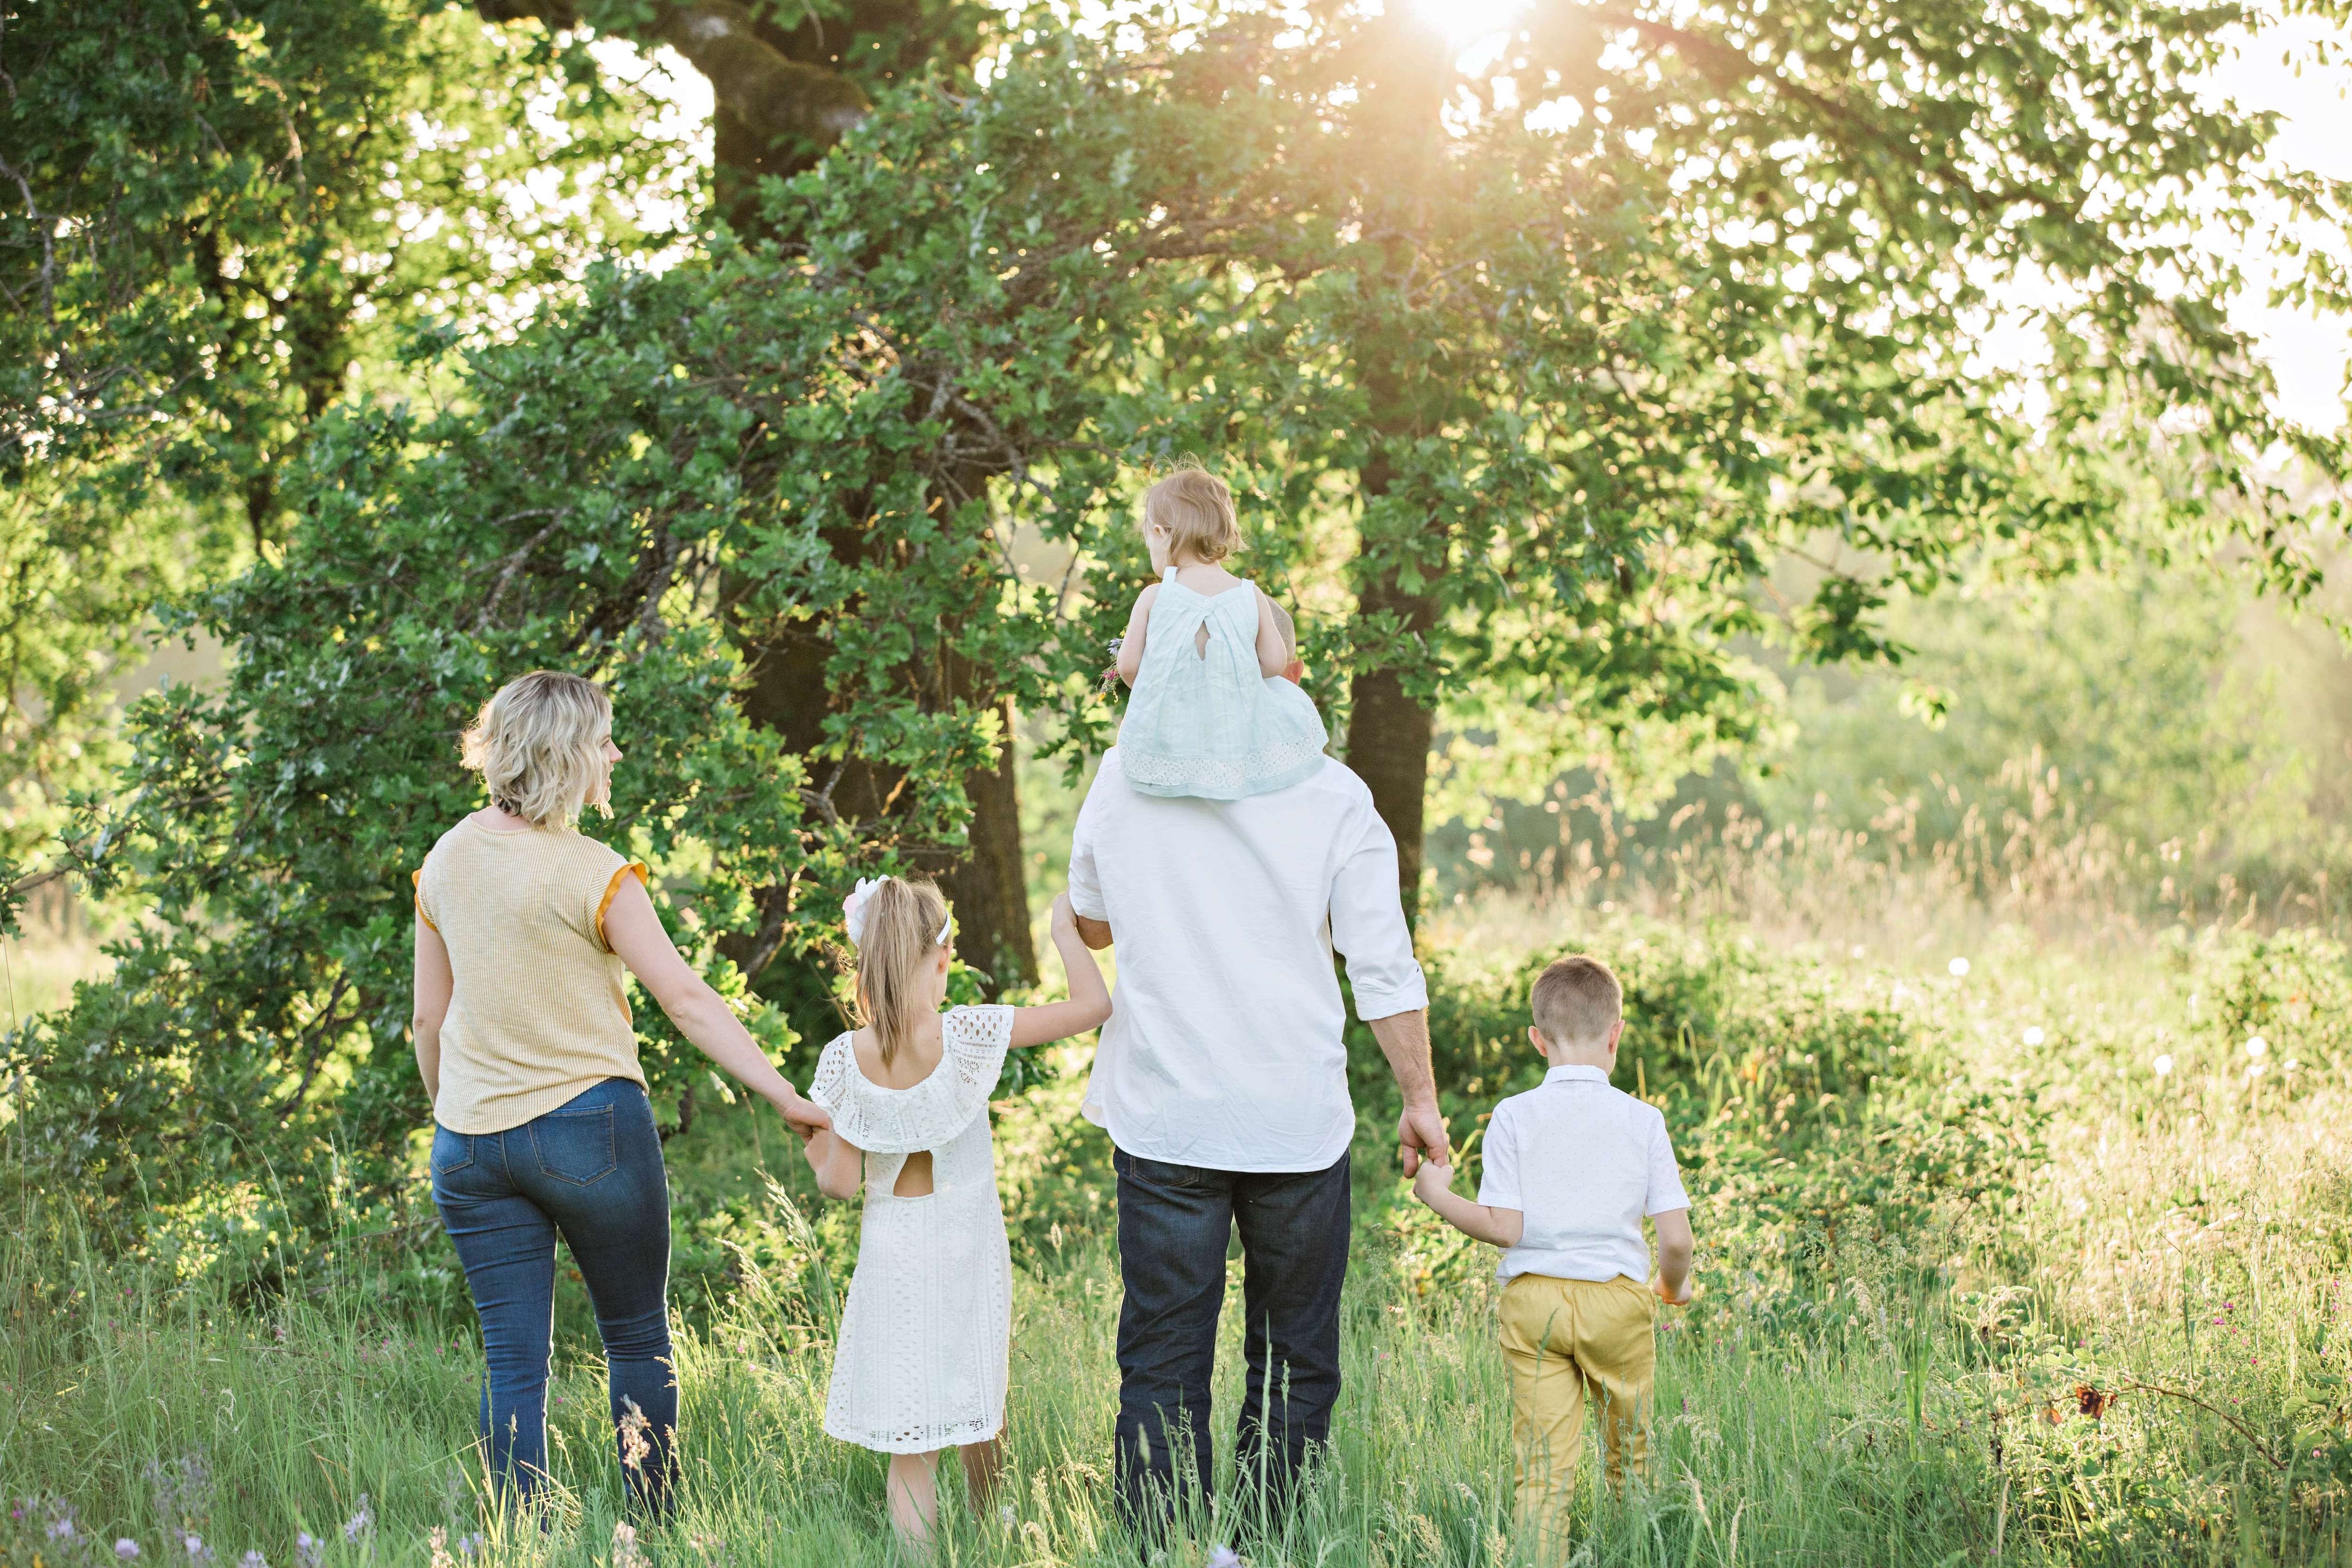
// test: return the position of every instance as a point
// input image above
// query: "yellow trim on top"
(613, 887)
(416, 882)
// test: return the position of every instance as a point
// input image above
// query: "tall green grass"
(2135, 1351)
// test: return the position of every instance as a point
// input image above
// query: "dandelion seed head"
(2034, 1035)
(2163, 1065)
(1960, 969)
(2256, 1045)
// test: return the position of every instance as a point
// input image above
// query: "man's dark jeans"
(1173, 1224)
(590, 1170)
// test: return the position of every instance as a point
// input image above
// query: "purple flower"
(253, 1559)
(127, 1549)
(1224, 1557)
(309, 1549)
(356, 1528)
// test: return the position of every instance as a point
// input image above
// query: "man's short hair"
(1576, 1000)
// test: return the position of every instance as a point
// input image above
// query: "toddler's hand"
(1432, 1177)
(1064, 917)
(1658, 1288)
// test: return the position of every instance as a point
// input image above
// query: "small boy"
(1572, 1168)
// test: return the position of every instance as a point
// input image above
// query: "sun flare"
(1465, 22)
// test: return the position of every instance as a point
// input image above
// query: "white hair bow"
(853, 911)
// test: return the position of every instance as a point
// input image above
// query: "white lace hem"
(1259, 772)
(916, 1440)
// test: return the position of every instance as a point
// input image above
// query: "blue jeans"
(591, 1170)
(1173, 1224)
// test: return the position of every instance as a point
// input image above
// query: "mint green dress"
(1202, 720)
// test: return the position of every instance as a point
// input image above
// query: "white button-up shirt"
(1223, 1047)
(1584, 1163)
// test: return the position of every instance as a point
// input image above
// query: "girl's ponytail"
(899, 928)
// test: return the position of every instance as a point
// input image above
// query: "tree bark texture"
(1389, 732)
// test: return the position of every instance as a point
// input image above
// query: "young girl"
(1211, 715)
(920, 1365)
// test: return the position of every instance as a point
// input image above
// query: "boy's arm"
(839, 1166)
(1674, 1249)
(1432, 1183)
(1138, 625)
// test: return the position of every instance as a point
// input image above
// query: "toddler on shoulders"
(1214, 715)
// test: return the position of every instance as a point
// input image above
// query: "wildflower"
(1960, 969)
(198, 1552)
(2034, 1035)
(2163, 1066)
(2290, 1065)
(62, 1527)
(2256, 1045)
(468, 1545)
(1224, 1557)
(253, 1559)
(127, 1549)
(360, 1522)
(438, 1543)
(627, 1552)
(309, 1549)
(2254, 1070)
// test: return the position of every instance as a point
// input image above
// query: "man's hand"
(1421, 1135)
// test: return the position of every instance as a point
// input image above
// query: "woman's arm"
(1432, 1183)
(840, 1167)
(635, 931)
(1138, 623)
(1090, 1002)
(1273, 652)
(432, 988)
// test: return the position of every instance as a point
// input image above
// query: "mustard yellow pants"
(1564, 1339)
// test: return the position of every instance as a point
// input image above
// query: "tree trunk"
(1389, 733)
(989, 885)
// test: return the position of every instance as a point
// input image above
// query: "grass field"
(2128, 1345)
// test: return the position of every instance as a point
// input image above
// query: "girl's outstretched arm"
(839, 1164)
(1131, 648)
(1090, 1002)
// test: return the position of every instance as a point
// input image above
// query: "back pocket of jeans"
(576, 1145)
(451, 1150)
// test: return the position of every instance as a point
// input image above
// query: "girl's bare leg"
(914, 1491)
(982, 1463)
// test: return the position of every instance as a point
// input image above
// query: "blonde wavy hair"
(898, 946)
(538, 744)
(1197, 509)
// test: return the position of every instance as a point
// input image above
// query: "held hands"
(805, 1116)
(1420, 1136)
(1065, 916)
(1433, 1176)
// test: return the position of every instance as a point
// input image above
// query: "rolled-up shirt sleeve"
(1086, 881)
(1368, 924)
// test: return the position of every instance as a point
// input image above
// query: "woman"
(523, 1036)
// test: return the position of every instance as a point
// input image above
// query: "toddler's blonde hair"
(1197, 509)
(538, 744)
(899, 943)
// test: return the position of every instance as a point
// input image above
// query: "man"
(1221, 1079)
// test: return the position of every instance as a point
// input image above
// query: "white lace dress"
(921, 1361)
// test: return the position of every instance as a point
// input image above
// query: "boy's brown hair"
(1197, 509)
(1575, 1000)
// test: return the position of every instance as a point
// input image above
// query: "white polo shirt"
(1584, 1163)
(1223, 1047)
